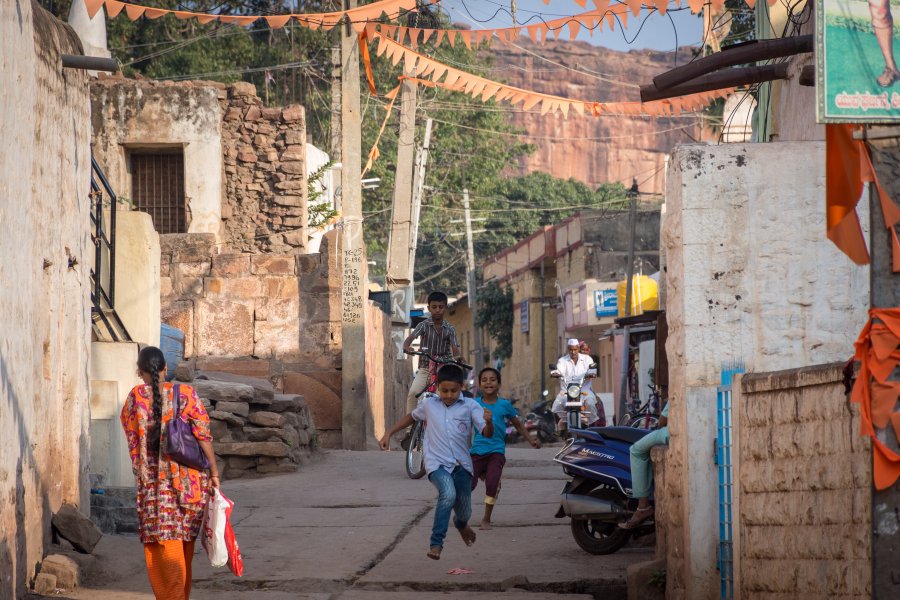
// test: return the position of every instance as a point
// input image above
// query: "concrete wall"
(137, 276)
(113, 374)
(803, 488)
(751, 278)
(387, 375)
(131, 115)
(45, 257)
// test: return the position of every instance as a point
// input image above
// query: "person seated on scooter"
(642, 470)
(575, 364)
(450, 419)
(438, 336)
(489, 453)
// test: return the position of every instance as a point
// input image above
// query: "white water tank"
(92, 32)
(737, 118)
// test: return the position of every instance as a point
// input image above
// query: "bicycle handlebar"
(439, 360)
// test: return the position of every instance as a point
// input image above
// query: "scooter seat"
(623, 434)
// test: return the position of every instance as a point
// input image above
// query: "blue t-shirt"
(501, 411)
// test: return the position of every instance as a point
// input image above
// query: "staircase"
(105, 322)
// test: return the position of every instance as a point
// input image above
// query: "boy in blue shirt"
(450, 418)
(489, 451)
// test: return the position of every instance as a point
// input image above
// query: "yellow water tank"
(644, 295)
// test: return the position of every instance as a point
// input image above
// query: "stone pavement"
(352, 526)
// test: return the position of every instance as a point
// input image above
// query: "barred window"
(157, 187)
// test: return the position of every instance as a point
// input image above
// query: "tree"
(495, 313)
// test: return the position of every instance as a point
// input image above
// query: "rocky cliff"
(592, 149)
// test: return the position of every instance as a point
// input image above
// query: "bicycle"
(643, 416)
(415, 450)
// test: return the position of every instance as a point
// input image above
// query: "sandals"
(888, 77)
(639, 516)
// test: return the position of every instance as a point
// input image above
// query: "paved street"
(352, 526)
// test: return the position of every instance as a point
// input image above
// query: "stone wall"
(264, 207)
(751, 279)
(388, 374)
(803, 494)
(45, 257)
(245, 175)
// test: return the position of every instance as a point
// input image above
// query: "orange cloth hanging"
(843, 187)
(878, 352)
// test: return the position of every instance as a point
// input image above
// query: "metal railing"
(105, 320)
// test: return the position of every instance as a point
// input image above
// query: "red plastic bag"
(218, 535)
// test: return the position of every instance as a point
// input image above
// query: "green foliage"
(658, 579)
(319, 213)
(495, 313)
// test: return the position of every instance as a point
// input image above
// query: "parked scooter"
(540, 421)
(598, 497)
(579, 407)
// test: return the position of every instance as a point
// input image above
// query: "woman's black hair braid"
(151, 360)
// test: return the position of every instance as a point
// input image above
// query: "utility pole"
(354, 395)
(336, 64)
(398, 255)
(629, 282)
(543, 334)
(418, 191)
(884, 293)
(470, 280)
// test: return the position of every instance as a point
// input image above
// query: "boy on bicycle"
(438, 336)
(450, 418)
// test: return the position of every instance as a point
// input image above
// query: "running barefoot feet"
(888, 77)
(485, 526)
(434, 553)
(468, 535)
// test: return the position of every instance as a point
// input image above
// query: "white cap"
(572, 342)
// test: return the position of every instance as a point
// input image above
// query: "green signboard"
(857, 79)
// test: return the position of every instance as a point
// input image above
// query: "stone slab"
(267, 419)
(76, 528)
(263, 390)
(287, 403)
(249, 367)
(235, 408)
(276, 449)
(221, 391)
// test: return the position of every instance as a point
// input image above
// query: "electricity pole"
(470, 281)
(354, 395)
(629, 282)
(418, 191)
(398, 269)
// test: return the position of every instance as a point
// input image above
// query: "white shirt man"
(575, 364)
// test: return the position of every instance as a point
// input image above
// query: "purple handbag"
(181, 445)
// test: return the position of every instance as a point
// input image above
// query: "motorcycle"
(598, 497)
(576, 400)
(540, 421)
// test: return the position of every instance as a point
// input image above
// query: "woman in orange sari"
(171, 497)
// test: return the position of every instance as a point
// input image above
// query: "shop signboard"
(857, 80)
(523, 315)
(605, 303)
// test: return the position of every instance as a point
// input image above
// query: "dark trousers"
(488, 467)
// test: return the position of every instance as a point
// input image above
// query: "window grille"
(157, 186)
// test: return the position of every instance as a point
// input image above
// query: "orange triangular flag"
(886, 465)
(426, 33)
(530, 101)
(93, 6)
(451, 37)
(113, 8)
(134, 11)
(843, 187)
(601, 5)
(574, 26)
(183, 14)
(466, 38)
(662, 6)
(439, 38)
(533, 33)
(203, 19)
(696, 5)
(884, 398)
(635, 6)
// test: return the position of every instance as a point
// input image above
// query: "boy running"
(438, 336)
(450, 418)
(489, 451)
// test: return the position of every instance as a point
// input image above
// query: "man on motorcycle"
(570, 365)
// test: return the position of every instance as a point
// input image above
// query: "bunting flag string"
(453, 79)
(538, 32)
(361, 15)
(357, 16)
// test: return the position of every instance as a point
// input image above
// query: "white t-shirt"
(568, 368)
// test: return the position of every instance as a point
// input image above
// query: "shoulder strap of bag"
(176, 400)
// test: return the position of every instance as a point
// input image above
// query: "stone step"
(264, 391)
(287, 403)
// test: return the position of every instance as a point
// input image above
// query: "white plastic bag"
(214, 528)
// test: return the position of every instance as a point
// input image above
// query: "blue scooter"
(598, 497)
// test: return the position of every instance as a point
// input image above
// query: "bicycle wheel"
(625, 420)
(645, 422)
(415, 454)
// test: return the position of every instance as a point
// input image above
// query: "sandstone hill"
(593, 149)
